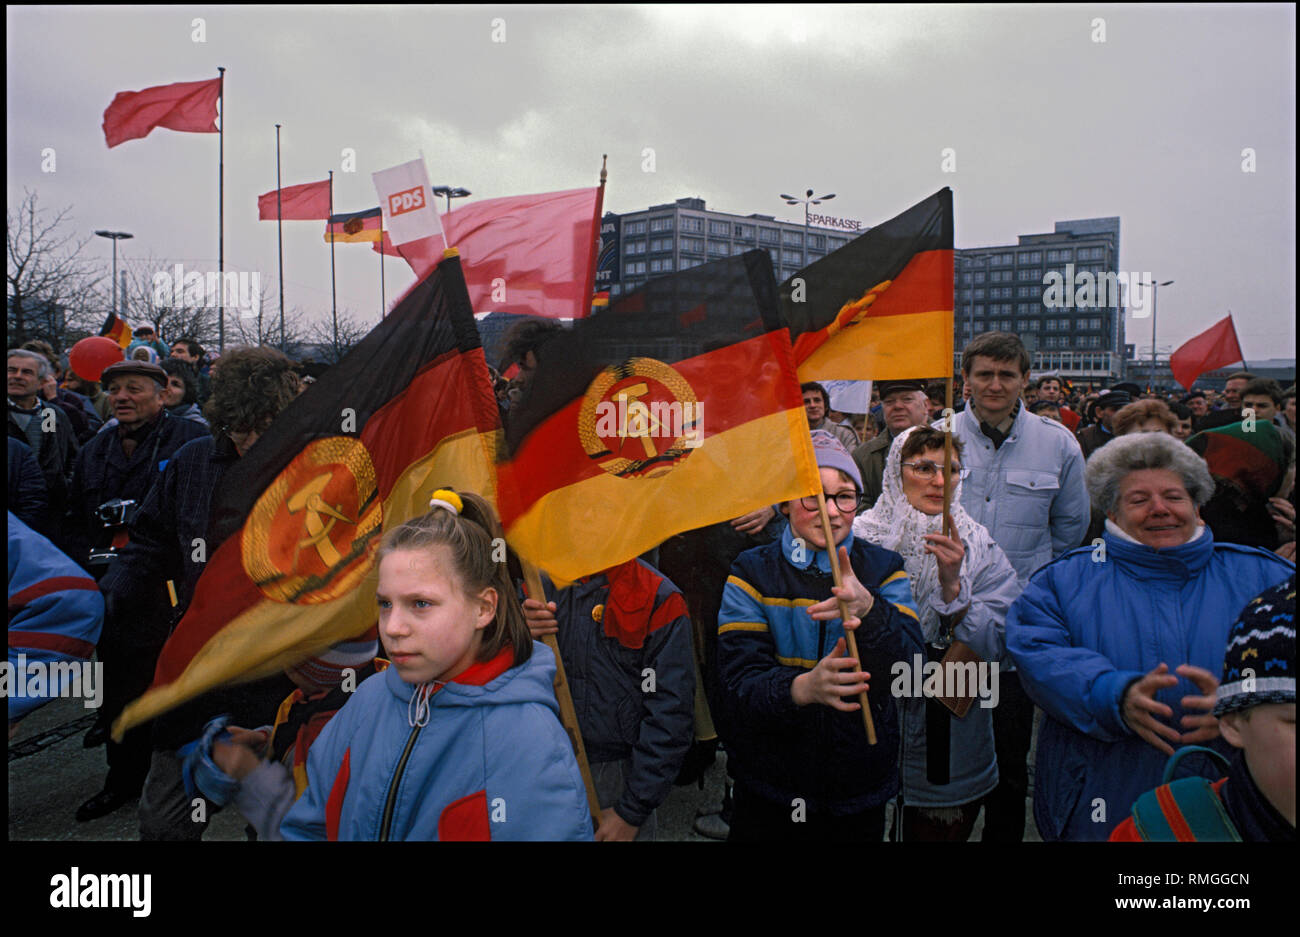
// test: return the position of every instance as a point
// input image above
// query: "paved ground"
(50, 774)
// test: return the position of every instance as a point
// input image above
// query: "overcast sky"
(738, 103)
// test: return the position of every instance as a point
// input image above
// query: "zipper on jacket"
(391, 800)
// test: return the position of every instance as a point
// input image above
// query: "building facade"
(1078, 330)
(1075, 328)
(662, 239)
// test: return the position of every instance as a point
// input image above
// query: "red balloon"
(90, 356)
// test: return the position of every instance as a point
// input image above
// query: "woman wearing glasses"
(796, 743)
(963, 586)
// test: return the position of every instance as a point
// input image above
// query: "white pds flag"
(407, 204)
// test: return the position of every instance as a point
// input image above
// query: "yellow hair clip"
(444, 498)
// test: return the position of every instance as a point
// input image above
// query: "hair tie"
(445, 498)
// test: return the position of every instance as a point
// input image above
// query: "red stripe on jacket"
(334, 806)
(44, 641)
(465, 820)
(47, 586)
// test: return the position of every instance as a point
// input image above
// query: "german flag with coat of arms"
(295, 523)
(880, 307)
(676, 408)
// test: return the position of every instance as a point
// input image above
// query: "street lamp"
(1155, 293)
(114, 236)
(451, 193)
(806, 201)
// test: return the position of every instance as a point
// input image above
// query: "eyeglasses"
(847, 501)
(927, 470)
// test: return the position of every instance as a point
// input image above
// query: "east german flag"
(358, 226)
(880, 307)
(116, 329)
(299, 517)
(1251, 455)
(676, 408)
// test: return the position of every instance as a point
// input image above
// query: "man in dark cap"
(111, 475)
(1109, 403)
(1196, 402)
(905, 405)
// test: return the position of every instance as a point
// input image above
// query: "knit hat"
(1262, 641)
(830, 453)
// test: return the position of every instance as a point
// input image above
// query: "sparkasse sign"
(830, 221)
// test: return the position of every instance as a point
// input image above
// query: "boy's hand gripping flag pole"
(568, 715)
(834, 555)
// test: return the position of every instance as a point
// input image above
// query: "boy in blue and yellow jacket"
(796, 744)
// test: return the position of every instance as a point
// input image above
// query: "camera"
(113, 517)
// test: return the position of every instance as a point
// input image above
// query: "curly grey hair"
(43, 367)
(1112, 462)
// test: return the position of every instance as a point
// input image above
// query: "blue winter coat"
(55, 616)
(492, 762)
(766, 638)
(1085, 628)
(618, 715)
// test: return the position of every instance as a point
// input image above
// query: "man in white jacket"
(1025, 485)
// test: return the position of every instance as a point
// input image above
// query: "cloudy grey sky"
(739, 103)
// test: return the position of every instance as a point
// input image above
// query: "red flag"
(307, 202)
(190, 106)
(385, 247)
(1215, 347)
(530, 254)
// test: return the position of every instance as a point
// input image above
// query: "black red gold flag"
(880, 307)
(675, 408)
(296, 521)
(354, 227)
(116, 328)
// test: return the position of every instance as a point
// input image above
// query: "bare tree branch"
(50, 285)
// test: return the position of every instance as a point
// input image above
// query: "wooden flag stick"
(568, 715)
(834, 554)
(947, 457)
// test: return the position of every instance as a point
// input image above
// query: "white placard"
(407, 203)
(849, 396)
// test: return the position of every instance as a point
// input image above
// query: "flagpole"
(947, 456)
(568, 714)
(1233, 323)
(383, 303)
(834, 555)
(279, 231)
(334, 300)
(221, 213)
(595, 241)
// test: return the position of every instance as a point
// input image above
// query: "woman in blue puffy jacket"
(1120, 642)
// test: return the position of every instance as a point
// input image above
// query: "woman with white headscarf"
(963, 586)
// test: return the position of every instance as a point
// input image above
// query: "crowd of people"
(1056, 551)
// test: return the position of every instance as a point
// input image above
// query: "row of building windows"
(1084, 323)
(725, 229)
(1021, 258)
(1048, 341)
(1024, 274)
